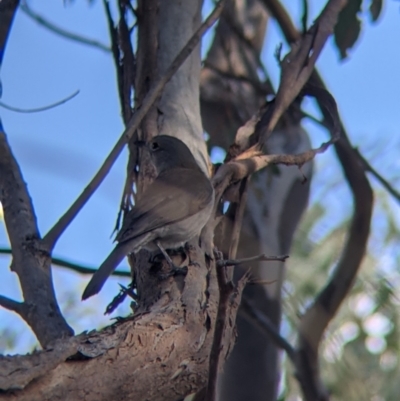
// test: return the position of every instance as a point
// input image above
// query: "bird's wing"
(173, 196)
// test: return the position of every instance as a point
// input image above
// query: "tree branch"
(8, 9)
(262, 321)
(30, 262)
(43, 108)
(229, 300)
(367, 166)
(62, 32)
(321, 312)
(14, 306)
(73, 266)
(124, 59)
(383, 181)
(55, 232)
(298, 65)
(258, 258)
(240, 168)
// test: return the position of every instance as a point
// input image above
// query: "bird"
(171, 211)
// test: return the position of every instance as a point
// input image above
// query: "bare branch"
(298, 64)
(124, 59)
(38, 109)
(320, 313)
(262, 321)
(229, 300)
(30, 262)
(62, 32)
(367, 166)
(258, 258)
(8, 9)
(384, 182)
(155, 91)
(238, 219)
(238, 169)
(73, 266)
(12, 305)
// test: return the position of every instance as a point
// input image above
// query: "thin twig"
(38, 109)
(62, 32)
(229, 302)
(238, 169)
(367, 166)
(14, 306)
(262, 321)
(264, 88)
(55, 232)
(238, 219)
(258, 258)
(304, 17)
(298, 65)
(123, 59)
(73, 266)
(386, 184)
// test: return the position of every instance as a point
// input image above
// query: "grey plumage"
(173, 209)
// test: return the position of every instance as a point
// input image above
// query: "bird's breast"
(177, 234)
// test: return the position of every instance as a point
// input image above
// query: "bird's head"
(168, 152)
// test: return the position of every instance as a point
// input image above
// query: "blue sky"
(59, 150)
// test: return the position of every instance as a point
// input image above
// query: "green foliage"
(360, 354)
(375, 9)
(348, 27)
(8, 340)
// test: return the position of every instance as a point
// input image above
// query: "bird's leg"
(164, 252)
(175, 270)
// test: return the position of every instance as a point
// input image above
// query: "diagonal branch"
(298, 64)
(383, 181)
(367, 165)
(262, 321)
(56, 231)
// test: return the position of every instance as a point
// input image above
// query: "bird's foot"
(175, 271)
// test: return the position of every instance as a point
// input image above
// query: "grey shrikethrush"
(171, 211)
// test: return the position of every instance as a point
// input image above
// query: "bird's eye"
(155, 146)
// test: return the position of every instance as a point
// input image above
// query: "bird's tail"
(105, 270)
